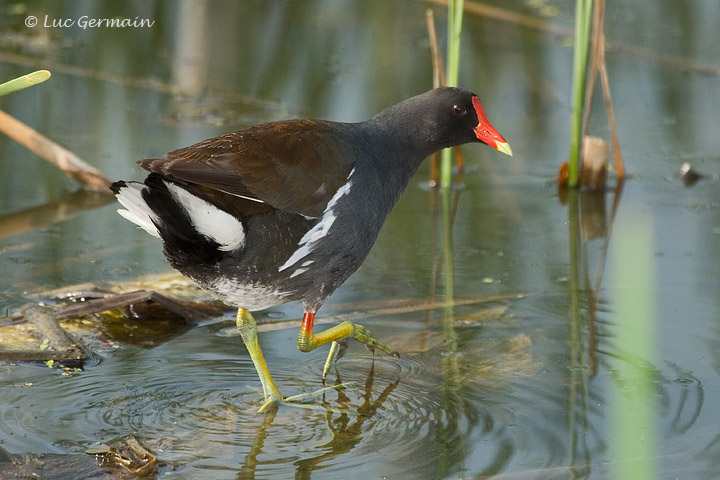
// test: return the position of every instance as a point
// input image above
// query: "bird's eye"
(459, 110)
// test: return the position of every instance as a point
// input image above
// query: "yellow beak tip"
(504, 147)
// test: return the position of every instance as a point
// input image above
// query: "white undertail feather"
(137, 211)
(208, 220)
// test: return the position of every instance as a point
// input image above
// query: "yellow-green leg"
(248, 331)
(307, 341)
(334, 347)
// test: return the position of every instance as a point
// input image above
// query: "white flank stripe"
(321, 229)
(245, 197)
(208, 220)
(137, 211)
(298, 272)
(309, 239)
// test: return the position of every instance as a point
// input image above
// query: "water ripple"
(198, 411)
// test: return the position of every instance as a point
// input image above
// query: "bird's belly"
(247, 294)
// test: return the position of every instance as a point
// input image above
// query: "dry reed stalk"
(598, 66)
(65, 160)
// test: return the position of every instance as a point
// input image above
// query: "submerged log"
(34, 334)
(57, 344)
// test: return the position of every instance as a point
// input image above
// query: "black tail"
(184, 246)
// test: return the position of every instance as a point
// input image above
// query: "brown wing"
(295, 166)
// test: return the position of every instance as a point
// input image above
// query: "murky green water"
(556, 383)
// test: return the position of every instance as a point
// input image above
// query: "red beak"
(486, 133)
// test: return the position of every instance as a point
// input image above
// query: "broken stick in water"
(72, 165)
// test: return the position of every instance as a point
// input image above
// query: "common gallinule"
(288, 210)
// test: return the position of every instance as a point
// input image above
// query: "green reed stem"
(577, 373)
(583, 18)
(455, 17)
(634, 401)
(25, 81)
(447, 242)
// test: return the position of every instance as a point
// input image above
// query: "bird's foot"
(363, 335)
(302, 400)
(359, 333)
(337, 347)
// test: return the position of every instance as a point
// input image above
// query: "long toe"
(272, 401)
(362, 334)
(303, 400)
